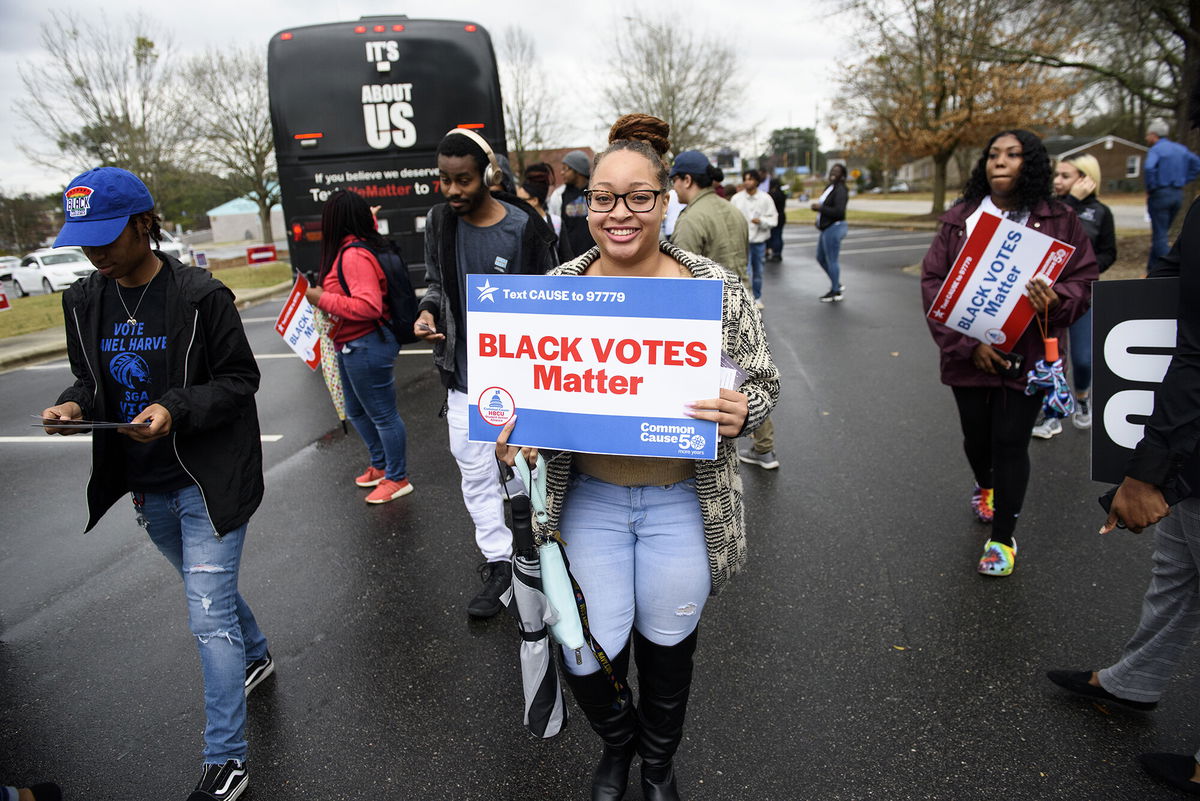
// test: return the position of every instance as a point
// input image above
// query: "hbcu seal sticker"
(496, 406)
(78, 200)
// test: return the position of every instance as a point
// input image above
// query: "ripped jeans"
(640, 558)
(227, 635)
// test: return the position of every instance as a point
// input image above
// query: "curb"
(245, 298)
(20, 356)
(917, 225)
(33, 353)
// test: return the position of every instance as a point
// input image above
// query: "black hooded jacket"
(1171, 445)
(212, 377)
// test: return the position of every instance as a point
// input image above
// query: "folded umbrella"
(329, 365)
(545, 709)
(1049, 376)
(557, 583)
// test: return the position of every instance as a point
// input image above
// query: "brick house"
(1120, 160)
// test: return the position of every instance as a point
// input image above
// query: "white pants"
(481, 490)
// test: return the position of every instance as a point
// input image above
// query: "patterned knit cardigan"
(718, 483)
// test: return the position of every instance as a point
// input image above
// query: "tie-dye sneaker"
(998, 559)
(983, 504)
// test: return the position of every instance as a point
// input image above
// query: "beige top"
(635, 471)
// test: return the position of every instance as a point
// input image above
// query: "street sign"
(260, 254)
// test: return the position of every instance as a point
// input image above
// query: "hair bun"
(540, 172)
(643, 128)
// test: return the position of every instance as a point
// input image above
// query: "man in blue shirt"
(1169, 165)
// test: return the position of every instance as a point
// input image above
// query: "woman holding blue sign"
(1011, 180)
(649, 539)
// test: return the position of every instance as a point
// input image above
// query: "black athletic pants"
(996, 424)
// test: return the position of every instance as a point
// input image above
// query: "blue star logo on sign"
(487, 291)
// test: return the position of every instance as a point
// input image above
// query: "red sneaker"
(389, 490)
(371, 478)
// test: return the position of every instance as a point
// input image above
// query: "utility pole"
(816, 138)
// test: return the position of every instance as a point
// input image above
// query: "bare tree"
(921, 88)
(1149, 50)
(107, 99)
(231, 123)
(529, 108)
(687, 77)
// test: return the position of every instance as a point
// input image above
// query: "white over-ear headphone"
(492, 174)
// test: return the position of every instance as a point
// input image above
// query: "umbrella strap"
(534, 636)
(593, 643)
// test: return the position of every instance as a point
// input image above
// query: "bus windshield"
(362, 106)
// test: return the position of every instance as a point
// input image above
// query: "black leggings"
(996, 424)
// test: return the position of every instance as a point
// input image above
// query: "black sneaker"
(222, 782)
(257, 671)
(831, 296)
(496, 577)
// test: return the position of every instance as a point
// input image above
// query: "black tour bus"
(362, 106)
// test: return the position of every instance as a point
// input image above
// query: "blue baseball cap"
(689, 162)
(98, 204)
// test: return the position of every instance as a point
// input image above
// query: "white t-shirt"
(1019, 217)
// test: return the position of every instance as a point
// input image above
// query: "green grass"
(809, 217)
(33, 313)
(263, 275)
(39, 312)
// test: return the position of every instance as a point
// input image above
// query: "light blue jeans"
(368, 377)
(227, 635)
(829, 246)
(640, 558)
(758, 253)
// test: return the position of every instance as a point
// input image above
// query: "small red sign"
(260, 254)
(4, 304)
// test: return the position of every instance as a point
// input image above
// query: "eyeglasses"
(638, 200)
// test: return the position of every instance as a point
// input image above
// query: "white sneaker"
(758, 304)
(1082, 416)
(1047, 428)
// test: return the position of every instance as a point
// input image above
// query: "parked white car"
(173, 246)
(50, 270)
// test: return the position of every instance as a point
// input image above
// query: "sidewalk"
(51, 343)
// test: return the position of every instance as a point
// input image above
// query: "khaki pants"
(764, 436)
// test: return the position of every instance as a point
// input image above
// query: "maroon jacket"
(1074, 287)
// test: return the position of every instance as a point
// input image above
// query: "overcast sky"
(787, 51)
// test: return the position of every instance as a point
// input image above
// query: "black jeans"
(996, 424)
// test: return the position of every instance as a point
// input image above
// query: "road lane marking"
(915, 246)
(294, 356)
(867, 237)
(257, 356)
(88, 438)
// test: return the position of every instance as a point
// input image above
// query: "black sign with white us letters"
(1133, 338)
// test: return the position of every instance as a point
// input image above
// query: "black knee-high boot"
(615, 722)
(664, 681)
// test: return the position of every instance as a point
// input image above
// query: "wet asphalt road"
(859, 656)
